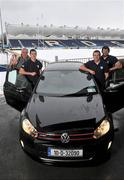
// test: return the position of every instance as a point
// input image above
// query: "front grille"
(74, 135)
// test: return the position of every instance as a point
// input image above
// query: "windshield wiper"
(83, 92)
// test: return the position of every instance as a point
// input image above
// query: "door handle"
(19, 90)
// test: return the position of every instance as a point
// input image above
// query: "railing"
(8, 54)
(44, 62)
(82, 60)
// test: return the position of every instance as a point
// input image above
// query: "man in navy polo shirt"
(31, 68)
(98, 68)
(112, 61)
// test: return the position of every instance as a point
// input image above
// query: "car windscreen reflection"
(61, 83)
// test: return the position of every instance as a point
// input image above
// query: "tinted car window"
(120, 74)
(12, 75)
(65, 82)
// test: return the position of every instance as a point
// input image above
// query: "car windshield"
(63, 82)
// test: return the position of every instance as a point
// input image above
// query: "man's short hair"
(24, 49)
(106, 47)
(33, 50)
(97, 51)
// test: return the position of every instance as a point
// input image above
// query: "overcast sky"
(93, 13)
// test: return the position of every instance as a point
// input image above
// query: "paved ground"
(16, 165)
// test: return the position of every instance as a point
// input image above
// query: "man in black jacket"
(112, 61)
(31, 68)
(98, 68)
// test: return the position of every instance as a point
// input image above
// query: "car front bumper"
(92, 149)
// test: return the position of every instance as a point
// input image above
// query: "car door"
(113, 96)
(16, 90)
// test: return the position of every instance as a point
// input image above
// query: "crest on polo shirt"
(101, 67)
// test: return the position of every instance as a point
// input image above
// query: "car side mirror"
(42, 77)
(89, 77)
(113, 87)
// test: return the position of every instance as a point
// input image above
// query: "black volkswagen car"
(65, 119)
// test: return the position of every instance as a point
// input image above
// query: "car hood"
(45, 111)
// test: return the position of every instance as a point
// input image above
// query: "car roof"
(63, 66)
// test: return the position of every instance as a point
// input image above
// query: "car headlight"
(103, 128)
(29, 128)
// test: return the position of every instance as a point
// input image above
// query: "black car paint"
(50, 114)
(65, 109)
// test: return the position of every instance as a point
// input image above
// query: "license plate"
(65, 152)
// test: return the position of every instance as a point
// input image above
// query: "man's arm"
(23, 72)
(118, 65)
(84, 68)
(106, 75)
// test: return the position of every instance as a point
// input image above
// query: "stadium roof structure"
(15, 31)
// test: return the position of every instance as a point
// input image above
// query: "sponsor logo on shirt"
(101, 67)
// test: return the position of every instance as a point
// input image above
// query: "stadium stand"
(14, 43)
(77, 43)
(44, 37)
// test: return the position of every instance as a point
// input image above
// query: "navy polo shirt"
(110, 60)
(31, 66)
(100, 70)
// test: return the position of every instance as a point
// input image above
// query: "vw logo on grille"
(65, 138)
